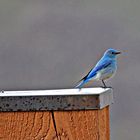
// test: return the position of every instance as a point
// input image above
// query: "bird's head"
(112, 53)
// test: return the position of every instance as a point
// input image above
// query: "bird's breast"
(106, 73)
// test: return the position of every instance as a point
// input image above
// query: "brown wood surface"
(26, 126)
(71, 125)
(83, 125)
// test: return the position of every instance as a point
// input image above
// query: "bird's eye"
(112, 53)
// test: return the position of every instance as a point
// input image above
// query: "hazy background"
(46, 44)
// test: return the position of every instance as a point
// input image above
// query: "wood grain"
(83, 125)
(26, 126)
(104, 125)
(70, 125)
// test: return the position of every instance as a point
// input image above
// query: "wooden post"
(83, 125)
(71, 122)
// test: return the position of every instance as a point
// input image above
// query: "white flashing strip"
(59, 92)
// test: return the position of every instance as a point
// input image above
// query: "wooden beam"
(71, 125)
(26, 126)
(83, 125)
(87, 124)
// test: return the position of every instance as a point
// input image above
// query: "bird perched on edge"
(104, 69)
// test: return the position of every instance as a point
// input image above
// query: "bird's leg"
(104, 84)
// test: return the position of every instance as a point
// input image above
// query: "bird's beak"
(117, 53)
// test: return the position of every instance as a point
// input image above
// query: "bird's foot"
(105, 87)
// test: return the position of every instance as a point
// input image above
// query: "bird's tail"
(81, 83)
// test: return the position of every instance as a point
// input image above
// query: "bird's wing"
(102, 64)
(85, 77)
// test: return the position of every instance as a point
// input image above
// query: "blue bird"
(104, 69)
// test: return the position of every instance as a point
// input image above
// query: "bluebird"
(103, 70)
